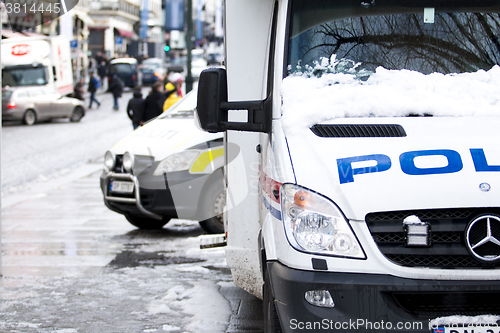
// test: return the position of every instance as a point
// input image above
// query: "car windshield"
(184, 108)
(148, 70)
(154, 64)
(16, 76)
(121, 68)
(6, 94)
(391, 58)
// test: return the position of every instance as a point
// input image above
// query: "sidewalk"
(71, 265)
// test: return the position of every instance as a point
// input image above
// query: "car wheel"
(29, 117)
(146, 223)
(215, 201)
(77, 114)
(271, 319)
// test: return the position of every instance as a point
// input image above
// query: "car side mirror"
(213, 107)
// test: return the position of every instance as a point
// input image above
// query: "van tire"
(214, 203)
(147, 223)
(271, 319)
(77, 114)
(29, 117)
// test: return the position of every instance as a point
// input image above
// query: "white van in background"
(37, 61)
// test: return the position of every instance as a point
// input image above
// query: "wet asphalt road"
(70, 265)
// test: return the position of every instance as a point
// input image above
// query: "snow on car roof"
(124, 60)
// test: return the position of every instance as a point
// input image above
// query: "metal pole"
(189, 45)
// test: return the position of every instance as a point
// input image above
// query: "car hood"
(440, 162)
(163, 137)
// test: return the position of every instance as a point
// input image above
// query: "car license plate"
(122, 187)
(467, 329)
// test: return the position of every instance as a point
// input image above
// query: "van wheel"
(215, 201)
(271, 319)
(29, 117)
(146, 223)
(77, 114)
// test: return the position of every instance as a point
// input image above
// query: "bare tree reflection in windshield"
(456, 42)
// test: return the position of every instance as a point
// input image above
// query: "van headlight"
(177, 162)
(315, 224)
(109, 160)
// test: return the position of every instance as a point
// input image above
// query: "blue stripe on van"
(276, 213)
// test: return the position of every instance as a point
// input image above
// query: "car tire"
(271, 319)
(215, 201)
(29, 117)
(147, 223)
(77, 114)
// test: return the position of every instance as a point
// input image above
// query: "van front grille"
(447, 237)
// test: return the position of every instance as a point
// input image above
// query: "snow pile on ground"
(310, 99)
(198, 302)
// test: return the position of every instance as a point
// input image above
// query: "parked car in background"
(32, 104)
(167, 169)
(198, 63)
(127, 70)
(157, 63)
(177, 65)
(214, 58)
(149, 75)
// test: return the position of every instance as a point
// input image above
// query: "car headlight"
(109, 160)
(177, 162)
(315, 224)
(128, 161)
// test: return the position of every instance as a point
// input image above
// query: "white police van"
(363, 175)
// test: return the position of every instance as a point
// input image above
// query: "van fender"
(268, 241)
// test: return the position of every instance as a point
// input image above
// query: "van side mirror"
(213, 106)
(212, 91)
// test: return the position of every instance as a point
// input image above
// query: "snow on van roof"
(309, 99)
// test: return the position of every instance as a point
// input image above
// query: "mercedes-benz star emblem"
(485, 187)
(483, 238)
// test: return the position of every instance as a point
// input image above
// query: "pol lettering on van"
(408, 166)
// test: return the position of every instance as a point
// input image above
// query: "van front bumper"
(375, 303)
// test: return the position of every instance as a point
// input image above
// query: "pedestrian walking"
(173, 91)
(93, 85)
(153, 103)
(102, 71)
(135, 108)
(116, 88)
(78, 90)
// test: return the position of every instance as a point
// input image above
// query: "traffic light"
(166, 48)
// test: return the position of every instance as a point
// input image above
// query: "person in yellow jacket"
(173, 91)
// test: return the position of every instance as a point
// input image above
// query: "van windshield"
(424, 36)
(15, 76)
